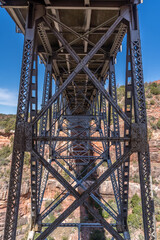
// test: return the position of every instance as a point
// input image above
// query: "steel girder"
(60, 122)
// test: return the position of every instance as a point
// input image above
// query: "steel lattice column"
(22, 117)
(141, 120)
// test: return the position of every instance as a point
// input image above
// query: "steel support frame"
(33, 112)
(141, 119)
(115, 117)
(80, 199)
(22, 118)
(25, 97)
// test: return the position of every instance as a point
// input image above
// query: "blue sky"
(11, 48)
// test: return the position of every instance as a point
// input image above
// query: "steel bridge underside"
(85, 26)
(78, 42)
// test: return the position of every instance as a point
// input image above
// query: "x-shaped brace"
(80, 199)
(82, 64)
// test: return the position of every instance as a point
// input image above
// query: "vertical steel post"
(140, 118)
(52, 146)
(113, 93)
(43, 122)
(33, 112)
(22, 117)
(127, 133)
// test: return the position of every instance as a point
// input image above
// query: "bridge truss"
(78, 42)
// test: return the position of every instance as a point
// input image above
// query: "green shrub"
(158, 124)
(154, 88)
(152, 102)
(105, 214)
(64, 238)
(47, 203)
(120, 92)
(66, 176)
(56, 199)
(50, 238)
(137, 210)
(27, 158)
(50, 218)
(97, 235)
(135, 201)
(149, 133)
(110, 201)
(154, 126)
(56, 196)
(7, 122)
(59, 208)
(155, 91)
(158, 217)
(10, 126)
(136, 178)
(5, 152)
(135, 221)
(152, 85)
(152, 118)
(36, 235)
(113, 204)
(149, 95)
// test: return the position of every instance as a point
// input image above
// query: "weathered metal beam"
(80, 138)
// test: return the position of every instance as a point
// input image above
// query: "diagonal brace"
(81, 198)
(85, 60)
(80, 66)
(73, 191)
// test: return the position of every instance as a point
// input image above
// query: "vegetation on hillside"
(151, 90)
(7, 122)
